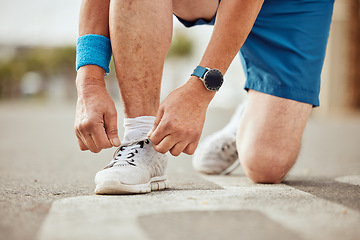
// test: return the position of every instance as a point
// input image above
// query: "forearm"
(94, 19)
(234, 21)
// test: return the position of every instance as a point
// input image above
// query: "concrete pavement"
(241, 210)
(46, 187)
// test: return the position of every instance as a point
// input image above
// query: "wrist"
(199, 89)
(212, 78)
(93, 49)
(90, 75)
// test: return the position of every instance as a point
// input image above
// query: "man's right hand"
(96, 116)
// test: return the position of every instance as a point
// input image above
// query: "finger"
(83, 132)
(80, 140)
(111, 128)
(158, 133)
(178, 148)
(89, 142)
(190, 149)
(166, 144)
(100, 138)
(82, 146)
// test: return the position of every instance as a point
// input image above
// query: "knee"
(263, 164)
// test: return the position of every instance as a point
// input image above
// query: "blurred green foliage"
(181, 46)
(60, 61)
(45, 61)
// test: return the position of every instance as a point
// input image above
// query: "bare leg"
(269, 136)
(140, 33)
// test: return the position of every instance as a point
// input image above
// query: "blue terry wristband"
(93, 49)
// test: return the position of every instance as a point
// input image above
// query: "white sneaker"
(135, 168)
(217, 154)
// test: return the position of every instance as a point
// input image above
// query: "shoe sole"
(231, 168)
(113, 187)
(227, 171)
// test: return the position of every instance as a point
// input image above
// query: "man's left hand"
(180, 119)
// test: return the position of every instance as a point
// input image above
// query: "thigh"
(273, 121)
(190, 11)
(269, 135)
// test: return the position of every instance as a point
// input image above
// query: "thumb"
(111, 129)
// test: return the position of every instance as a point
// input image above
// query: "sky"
(39, 22)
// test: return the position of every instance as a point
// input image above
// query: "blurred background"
(39, 157)
(37, 55)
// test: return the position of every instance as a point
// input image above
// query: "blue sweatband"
(93, 49)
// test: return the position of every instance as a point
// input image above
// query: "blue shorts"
(284, 52)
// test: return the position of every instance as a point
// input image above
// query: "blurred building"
(340, 89)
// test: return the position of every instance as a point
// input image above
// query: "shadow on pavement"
(328, 189)
(196, 225)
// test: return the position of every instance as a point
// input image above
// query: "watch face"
(213, 79)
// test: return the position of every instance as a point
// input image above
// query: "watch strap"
(199, 71)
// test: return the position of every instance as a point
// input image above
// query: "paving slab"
(240, 210)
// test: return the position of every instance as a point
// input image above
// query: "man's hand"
(180, 119)
(96, 117)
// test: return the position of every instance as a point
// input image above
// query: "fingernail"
(149, 133)
(116, 142)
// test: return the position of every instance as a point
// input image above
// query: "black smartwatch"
(212, 78)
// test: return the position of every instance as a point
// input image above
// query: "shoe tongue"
(133, 135)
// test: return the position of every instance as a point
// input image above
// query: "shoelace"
(125, 154)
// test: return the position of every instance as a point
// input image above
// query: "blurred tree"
(180, 50)
(11, 72)
(181, 46)
(45, 61)
(354, 54)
